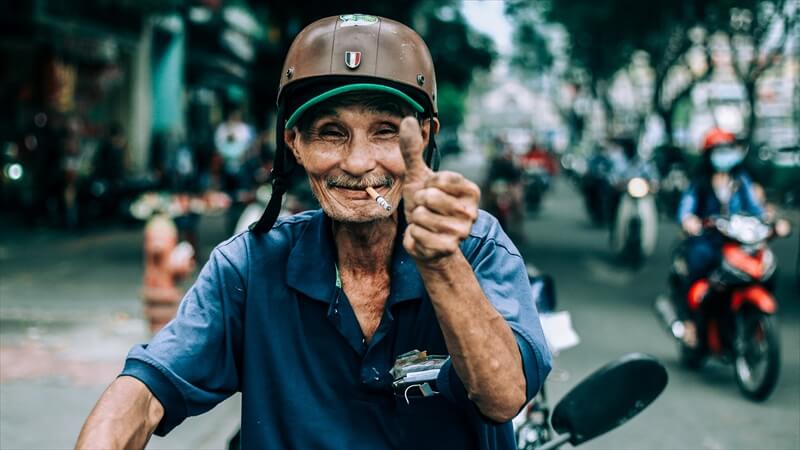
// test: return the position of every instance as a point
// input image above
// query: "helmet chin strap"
(284, 166)
(432, 157)
(281, 171)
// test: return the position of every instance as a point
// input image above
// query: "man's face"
(346, 150)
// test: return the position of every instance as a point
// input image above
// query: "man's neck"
(365, 248)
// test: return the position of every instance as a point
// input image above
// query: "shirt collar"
(311, 267)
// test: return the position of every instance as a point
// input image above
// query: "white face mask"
(726, 158)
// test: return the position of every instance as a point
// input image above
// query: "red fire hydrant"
(166, 262)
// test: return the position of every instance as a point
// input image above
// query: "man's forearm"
(124, 418)
(482, 347)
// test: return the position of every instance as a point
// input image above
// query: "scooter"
(635, 229)
(734, 308)
(606, 399)
(503, 200)
(536, 183)
(531, 426)
(252, 212)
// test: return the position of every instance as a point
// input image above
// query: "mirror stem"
(557, 442)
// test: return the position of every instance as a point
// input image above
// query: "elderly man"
(307, 316)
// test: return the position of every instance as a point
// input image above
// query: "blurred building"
(165, 70)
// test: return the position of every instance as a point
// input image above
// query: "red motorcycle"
(734, 309)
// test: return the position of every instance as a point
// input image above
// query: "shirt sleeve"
(193, 363)
(503, 277)
(688, 204)
(751, 204)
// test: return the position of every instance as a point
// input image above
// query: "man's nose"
(360, 158)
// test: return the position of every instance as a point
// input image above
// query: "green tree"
(604, 35)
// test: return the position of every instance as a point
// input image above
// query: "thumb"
(412, 147)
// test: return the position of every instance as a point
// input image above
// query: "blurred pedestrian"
(108, 171)
(71, 165)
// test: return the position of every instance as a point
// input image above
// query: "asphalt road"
(611, 308)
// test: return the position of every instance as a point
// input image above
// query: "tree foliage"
(603, 36)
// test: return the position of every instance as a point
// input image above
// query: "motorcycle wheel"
(533, 202)
(757, 354)
(633, 245)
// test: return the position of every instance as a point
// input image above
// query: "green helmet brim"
(292, 121)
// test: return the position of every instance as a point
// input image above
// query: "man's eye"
(387, 131)
(331, 133)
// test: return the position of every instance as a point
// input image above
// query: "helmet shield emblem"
(352, 59)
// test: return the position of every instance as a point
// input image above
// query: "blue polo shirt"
(266, 317)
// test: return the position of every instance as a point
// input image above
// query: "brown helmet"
(338, 54)
(356, 52)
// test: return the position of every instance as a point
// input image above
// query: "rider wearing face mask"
(721, 186)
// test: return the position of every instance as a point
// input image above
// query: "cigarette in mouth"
(378, 198)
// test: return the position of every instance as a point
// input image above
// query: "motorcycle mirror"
(544, 292)
(609, 397)
(783, 228)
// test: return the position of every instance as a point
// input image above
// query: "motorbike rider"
(623, 163)
(720, 186)
(305, 316)
(503, 169)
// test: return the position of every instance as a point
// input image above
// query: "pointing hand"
(440, 207)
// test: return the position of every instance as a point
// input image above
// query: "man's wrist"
(439, 264)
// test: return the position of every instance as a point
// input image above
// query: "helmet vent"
(290, 73)
(420, 79)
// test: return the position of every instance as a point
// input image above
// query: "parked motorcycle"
(734, 308)
(531, 426)
(635, 228)
(606, 399)
(15, 179)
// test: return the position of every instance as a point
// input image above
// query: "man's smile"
(357, 193)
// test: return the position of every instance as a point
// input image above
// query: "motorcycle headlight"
(14, 171)
(638, 187)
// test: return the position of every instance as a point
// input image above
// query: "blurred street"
(70, 310)
(64, 338)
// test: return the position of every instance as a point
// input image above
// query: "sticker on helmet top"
(350, 20)
(352, 59)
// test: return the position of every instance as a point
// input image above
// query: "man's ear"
(290, 138)
(435, 126)
(429, 126)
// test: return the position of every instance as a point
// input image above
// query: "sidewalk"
(69, 313)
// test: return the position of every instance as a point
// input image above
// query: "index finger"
(454, 184)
